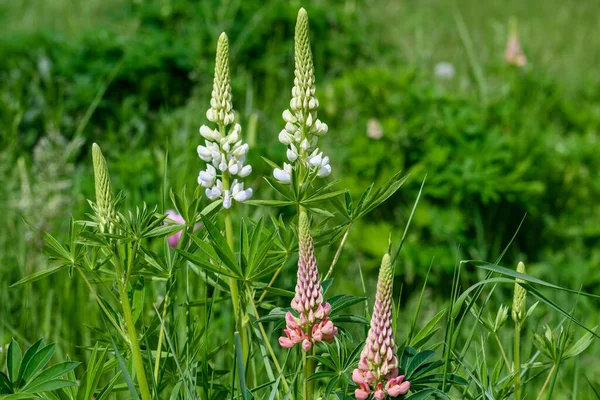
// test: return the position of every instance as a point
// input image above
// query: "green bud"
(304, 238)
(104, 199)
(386, 277)
(303, 94)
(519, 307)
(221, 108)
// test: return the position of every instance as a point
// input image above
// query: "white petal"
(316, 160)
(285, 137)
(304, 145)
(245, 171)
(281, 175)
(290, 128)
(226, 199)
(291, 155)
(234, 169)
(288, 116)
(325, 171)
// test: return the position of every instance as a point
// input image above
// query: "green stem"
(136, 353)
(233, 284)
(269, 348)
(546, 382)
(161, 337)
(502, 351)
(517, 363)
(338, 252)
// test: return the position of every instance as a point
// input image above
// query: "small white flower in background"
(302, 128)
(223, 150)
(444, 70)
(374, 129)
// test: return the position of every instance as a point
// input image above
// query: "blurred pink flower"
(174, 238)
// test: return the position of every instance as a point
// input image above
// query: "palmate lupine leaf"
(26, 374)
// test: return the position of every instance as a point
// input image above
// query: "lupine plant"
(221, 321)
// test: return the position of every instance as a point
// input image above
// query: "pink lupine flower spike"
(377, 371)
(313, 324)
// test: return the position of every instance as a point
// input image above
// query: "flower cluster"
(313, 324)
(302, 128)
(377, 370)
(224, 152)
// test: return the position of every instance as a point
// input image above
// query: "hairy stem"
(517, 363)
(546, 381)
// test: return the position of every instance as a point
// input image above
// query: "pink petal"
(306, 345)
(361, 394)
(358, 376)
(286, 342)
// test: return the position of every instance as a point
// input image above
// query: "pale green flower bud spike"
(105, 206)
(221, 108)
(519, 307)
(304, 82)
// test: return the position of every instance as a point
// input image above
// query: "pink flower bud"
(306, 345)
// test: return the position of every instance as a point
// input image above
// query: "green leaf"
(241, 371)
(139, 293)
(52, 373)
(269, 203)
(428, 331)
(527, 278)
(580, 346)
(5, 384)
(342, 301)
(55, 250)
(36, 363)
(39, 275)
(221, 247)
(202, 263)
(108, 388)
(48, 386)
(13, 361)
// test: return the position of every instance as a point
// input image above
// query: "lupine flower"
(302, 128)
(313, 324)
(105, 207)
(224, 152)
(377, 371)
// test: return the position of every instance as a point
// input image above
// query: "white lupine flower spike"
(223, 150)
(302, 127)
